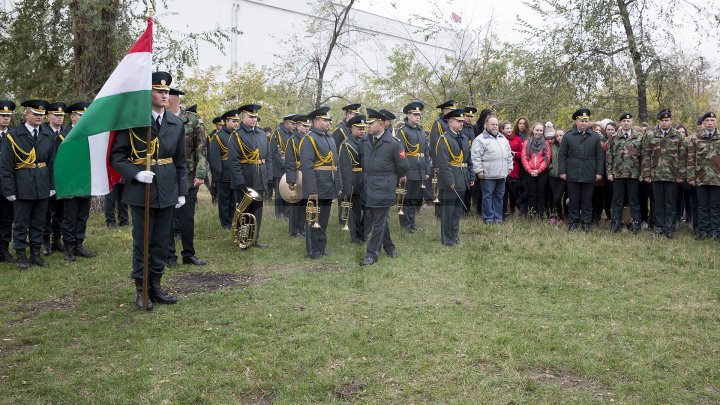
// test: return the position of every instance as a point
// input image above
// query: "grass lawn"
(524, 312)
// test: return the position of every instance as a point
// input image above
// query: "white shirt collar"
(156, 115)
(30, 128)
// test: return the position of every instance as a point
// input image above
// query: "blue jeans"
(492, 191)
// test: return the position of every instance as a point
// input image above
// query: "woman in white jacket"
(492, 162)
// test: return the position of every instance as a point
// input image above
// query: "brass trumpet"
(345, 207)
(312, 213)
(400, 196)
(435, 190)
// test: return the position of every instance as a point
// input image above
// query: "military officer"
(209, 181)
(388, 121)
(704, 173)
(415, 144)
(580, 162)
(454, 176)
(353, 178)
(168, 186)
(468, 132)
(7, 107)
(220, 166)
(53, 222)
(76, 210)
(278, 142)
(321, 183)
(296, 222)
(27, 155)
(622, 165)
(439, 127)
(341, 133)
(194, 137)
(664, 165)
(248, 152)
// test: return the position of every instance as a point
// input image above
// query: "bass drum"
(291, 196)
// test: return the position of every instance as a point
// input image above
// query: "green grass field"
(519, 313)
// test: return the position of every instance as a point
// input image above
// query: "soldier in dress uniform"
(353, 178)
(52, 236)
(296, 222)
(194, 136)
(468, 132)
(320, 181)
(7, 107)
(439, 127)
(248, 153)
(704, 173)
(455, 175)
(622, 165)
(342, 132)
(415, 144)
(278, 141)
(26, 167)
(664, 165)
(76, 210)
(383, 163)
(168, 186)
(209, 181)
(388, 121)
(220, 166)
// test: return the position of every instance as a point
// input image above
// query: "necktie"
(2, 135)
(35, 133)
(157, 121)
(627, 135)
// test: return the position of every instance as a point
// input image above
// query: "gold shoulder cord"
(247, 154)
(223, 148)
(281, 142)
(411, 150)
(343, 134)
(296, 151)
(30, 157)
(152, 149)
(454, 159)
(322, 160)
(353, 160)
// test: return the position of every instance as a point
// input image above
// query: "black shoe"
(367, 261)
(69, 252)
(82, 252)
(316, 256)
(260, 245)
(325, 253)
(57, 245)
(35, 258)
(5, 255)
(111, 225)
(669, 234)
(124, 224)
(392, 253)
(157, 295)
(572, 226)
(139, 296)
(47, 249)
(193, 260)
(171, 262)
(22, 260)
(408, 229)
(586, 228)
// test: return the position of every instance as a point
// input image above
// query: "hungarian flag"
(82, 166)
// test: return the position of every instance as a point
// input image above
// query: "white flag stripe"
(98, 145)
(130, 75)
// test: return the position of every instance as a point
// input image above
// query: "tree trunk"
(339, 23)
(640, 74)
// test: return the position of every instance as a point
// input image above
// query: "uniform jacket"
(27, 184)
(454, 161)
(581, 156)
(353, 178)
(536, 161)
(439, 128)
(170, 180)
(415, 143)
(317, 149)
(664, 157)
(491, 155)
(292, 157)
(218, 155)
(341, 133)
(624, 156)
(704, 159)
(248, 153)
(194, 131)
(278, 143)
(383, 163)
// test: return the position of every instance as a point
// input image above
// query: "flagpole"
(146, 233)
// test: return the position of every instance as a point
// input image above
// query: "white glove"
(52, 193)
(145, 176)
(11, 198)
(181, 201)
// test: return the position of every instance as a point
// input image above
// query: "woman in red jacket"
(536, 160)
(510, 199)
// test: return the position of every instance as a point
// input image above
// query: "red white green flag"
(82, 166)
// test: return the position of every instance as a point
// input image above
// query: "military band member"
(580, 162)
(320, 181)
(27, 154)
(454, 176)
(664, 164)
(76, 210)
(220, 166)
(388, 121)
(439, 127)
(278, 142)
(468, 132)
(52, 236)
(704, 173)
(342, 132)
(415, 144)
(353, 178)
(168, 186)
(248, 152)
(383, 163)
(622, 165)
(296, 222)
(209, 181)
(194, 138)
(7, 107)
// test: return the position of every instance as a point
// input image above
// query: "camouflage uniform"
(703, 168)
(622, 161)
(664, 161)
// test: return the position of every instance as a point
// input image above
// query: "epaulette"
(396, 138)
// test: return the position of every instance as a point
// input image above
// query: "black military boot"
(81, 251)
(5, 255)
(157, 294)
(46, 247)
(22, 260)
(139, 296)
(57, 245)
(35, 257)
(615, 226)
(636, 227)
(69, 252)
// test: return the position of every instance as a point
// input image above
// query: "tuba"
(244, 224)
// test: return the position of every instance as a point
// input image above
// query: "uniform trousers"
(708, 210)
(296, 222)
(665, 203)
(54, 217)
(7, 214)
(159, 232)
(225, 203)
(29, 222)
(622, 188)
(411, 204)
(282, 208)
(114, 198)
(377, 222)
(450, 213)
(356, 222)
(316, 238)
(76, 214)
(580, 205)
(185, 215)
